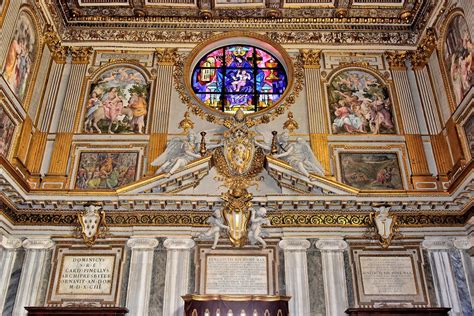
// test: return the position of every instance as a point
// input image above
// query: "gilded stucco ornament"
(396, 59)
(420, 57)
(92, 224)
(166, 56)
(311, 58)
(186, 123)
(290, 124)
(81, 55)
(58, 52)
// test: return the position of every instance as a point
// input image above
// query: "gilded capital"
(81, 55)
(396, 59)
(419, 58)
(166, 55)
(58, 52)
(310, 57)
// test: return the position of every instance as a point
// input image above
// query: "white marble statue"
(383, 221)
(217, 224)
(178, 154)
(256, 231)
(298, 155)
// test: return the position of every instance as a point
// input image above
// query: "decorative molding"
(437, 244)
(58, 52)
(10, 243)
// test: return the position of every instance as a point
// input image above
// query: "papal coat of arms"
(93, 224)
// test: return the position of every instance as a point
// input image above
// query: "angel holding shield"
(300, 156)
(178, 154)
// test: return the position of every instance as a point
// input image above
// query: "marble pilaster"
(334, 276)
(177, 274)
(448, 274)
(8, 250)
(296, 275)
(139, 281)
(32, 274)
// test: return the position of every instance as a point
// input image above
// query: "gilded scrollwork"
(166, 55)
(81, 55)
(58, 52)
(396, 59)
(311, 58)
(420, 57)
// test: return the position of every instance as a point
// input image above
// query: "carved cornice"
(421, 56)
(81, 55)
(396, 59)
(166, 56)
(58, 52)
(310, 57)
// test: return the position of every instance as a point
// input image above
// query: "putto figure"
(217, 224)
(256, 231)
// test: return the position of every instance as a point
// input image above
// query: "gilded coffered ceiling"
(395, 22)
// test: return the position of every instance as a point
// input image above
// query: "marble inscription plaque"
(236, 275)
(86, 275)
(389, 275)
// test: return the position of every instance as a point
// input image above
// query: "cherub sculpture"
(299, 155)
(256, 232)
(217, 224)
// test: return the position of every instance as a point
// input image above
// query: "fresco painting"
(359, 104)
(371, 171)
(469, 130)
(20, 56)
(7, 128)
(118, 102)
(106, 170)
(458, 57)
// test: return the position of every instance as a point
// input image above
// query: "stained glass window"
(239, 77)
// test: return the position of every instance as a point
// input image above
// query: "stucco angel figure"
(298, 155)
(217, 224)
(178, 154)
(256, 232)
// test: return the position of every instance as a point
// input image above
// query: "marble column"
(139, 280)
(8, 250)
(444, 274)
(178, 262)
(32, 274)
(296, 275)
(334, 276)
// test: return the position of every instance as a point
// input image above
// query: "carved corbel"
(311, 58)
(81, 55)
(166, 56)
(420, 57)
(396, 59)
(58, 52)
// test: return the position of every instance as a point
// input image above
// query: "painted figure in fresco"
(299, 155)
(19, 57)
(123, 104)
(178, 154)
(360, 104)
(139, 107)
(7, 128)
(459, 54)
(256, 232)
(217, 224)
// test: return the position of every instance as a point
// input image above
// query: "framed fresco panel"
(106, 170)
(7, 129)
(118, 102)
(458, 53)
(360, 103)
(468, 128)
(371, 170)
(19, 63)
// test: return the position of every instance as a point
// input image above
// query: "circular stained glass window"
(239, 77)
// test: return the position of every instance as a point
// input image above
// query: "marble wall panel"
(350, 280)
(461, 282)
(429, 278)
(315, 280)
(14, 282)
(126, 270)
(281, 272)
(158, 279)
